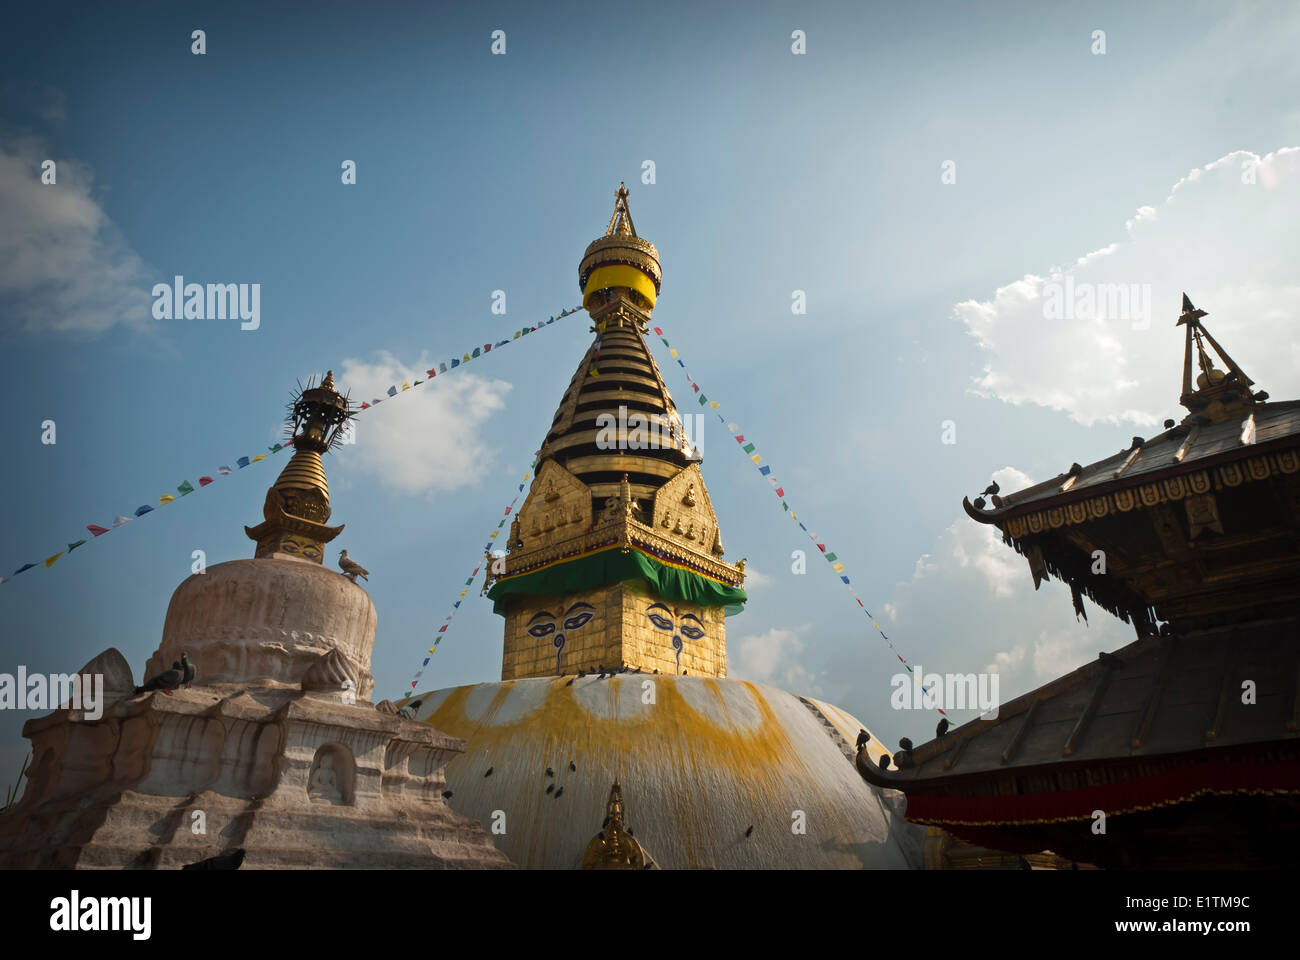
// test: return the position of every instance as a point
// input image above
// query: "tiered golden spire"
(298, 503)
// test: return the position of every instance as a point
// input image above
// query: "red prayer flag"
(204, 481)
(96, 529)
(821, 547)
(658, 332)
(442, 629)
(740, 438)
(780, 492)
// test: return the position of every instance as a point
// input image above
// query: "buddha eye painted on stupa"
(546, 624)
(686, 625)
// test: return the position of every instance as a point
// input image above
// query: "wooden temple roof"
(1156, 712)
(1186, 448)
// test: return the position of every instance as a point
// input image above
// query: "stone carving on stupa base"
(332, 775)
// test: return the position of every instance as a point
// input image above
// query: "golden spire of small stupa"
(298, 503)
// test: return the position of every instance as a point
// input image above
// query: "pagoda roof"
(1158, 721)
(1151, 712)
(1188, 447)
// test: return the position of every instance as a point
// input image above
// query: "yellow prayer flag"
(49, 561)
(462, 593)
(526, 476)
(466, 359)
(756, 458)
(672, 353)
(595, 374)
(165, 499)
(714, 404)
(433, 649)
(493, 534)
(260, 456)
(837, 567)
(406, 385)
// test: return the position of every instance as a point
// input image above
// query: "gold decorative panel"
(684, 513)
(558, 508)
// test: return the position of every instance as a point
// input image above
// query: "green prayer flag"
(748, 448)
(830, 558)
(73, 546)
(185, 488)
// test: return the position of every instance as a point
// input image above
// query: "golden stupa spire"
(620, 265)
(297, 505)
(621, 221)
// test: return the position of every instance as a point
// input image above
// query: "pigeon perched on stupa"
(167, 681)
(187, 670)
(351, 569)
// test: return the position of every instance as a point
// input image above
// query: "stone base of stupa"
(161, 781)
(274, 750)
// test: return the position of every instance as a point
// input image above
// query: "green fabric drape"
(613, 566)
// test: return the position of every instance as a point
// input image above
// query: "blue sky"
(475, 173)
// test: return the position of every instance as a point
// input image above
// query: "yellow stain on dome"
(669, 736)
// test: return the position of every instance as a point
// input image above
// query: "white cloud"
(1231, 245)
(979, 547)
(64, 266)
(772, 657)
(755, 579)
(429, 439)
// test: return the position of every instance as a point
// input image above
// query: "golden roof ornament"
(614, 847)
(1217, 395)
(297, 505)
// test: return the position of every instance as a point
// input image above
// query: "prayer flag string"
(749, 448)
(186, 487)
(441, 632)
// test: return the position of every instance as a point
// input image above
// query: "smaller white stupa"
(252, 738)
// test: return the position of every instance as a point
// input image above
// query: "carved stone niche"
(333, 776)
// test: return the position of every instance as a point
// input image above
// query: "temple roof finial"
(1216, 394)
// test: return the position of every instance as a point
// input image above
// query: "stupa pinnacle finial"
(621, 221)
(1217, 394)
(298, 504)
(620, 265)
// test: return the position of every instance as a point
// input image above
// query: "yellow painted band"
(618, 275)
